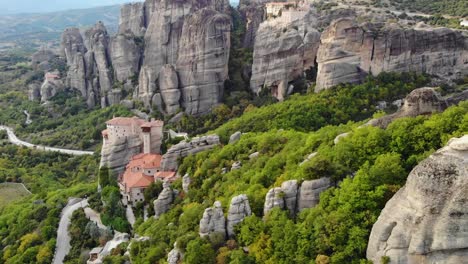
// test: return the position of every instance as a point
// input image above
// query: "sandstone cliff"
(284, 49)
(89, 62)
(349, 51)
(194, 37)
(425, 222)
(190, 38)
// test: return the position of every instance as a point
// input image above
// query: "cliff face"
(425, 222)
(194, 37)
(89, 62)
(284, 49)
(191, 37)
(349, 51)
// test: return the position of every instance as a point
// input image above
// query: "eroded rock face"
(426, 220)
(213, 221)
(169, 87)
(422, 101)
(194, 37)
(238, 210)
(133, 19)
(164, 201)
(116, 156)
(253, 14)
(284, 197)
(309, 193)
(284, 49)
(349, 51)
(41, 59)
(89, 62)
(126, 54)
(183, 149)
(50, 88)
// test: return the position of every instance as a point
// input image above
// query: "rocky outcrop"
(294, 198)
(213, 221)
(309, 193)
(50, 88)
(284, 197)
(425, 221)
(183, 149)
(186, 180)
(349, 51)
(34, 92)
(164, 201)
(422, 101)
(169, 89)
(238, 210)
(253, 14)
(285, 48)
(117, 154)
(89, 62)
(175, 255)
(194, 37)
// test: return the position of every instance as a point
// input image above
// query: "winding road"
(16, 141)
(63, 238)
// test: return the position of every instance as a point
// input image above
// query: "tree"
(199, 251)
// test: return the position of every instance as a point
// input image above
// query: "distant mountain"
(43, 6)
(32, 30)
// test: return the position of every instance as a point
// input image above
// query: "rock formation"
(294, 198)
(115, 156)
(175, 255)
(183, 149)
(238, 210)
(50, 88)
(213, 221)
(284, 197)
(425, 221)
(178, 51)
(164, 201)
(285, 47)
(193, 37)
(422, 101)
(89, 62)
(252, 13)
(309, 193)
(186, 183)
(349, 51)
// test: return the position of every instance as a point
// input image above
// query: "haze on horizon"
(8, 7)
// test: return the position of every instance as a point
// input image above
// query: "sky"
(43, 6)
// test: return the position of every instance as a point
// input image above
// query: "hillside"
(31, 30)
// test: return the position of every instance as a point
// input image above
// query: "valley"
(189, 131)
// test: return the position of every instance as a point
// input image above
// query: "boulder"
(238, 210)
(186, 183)
(236, 166)
(309, 193)
(425, 221)
(254, 155)
(235, 137)
(213, 221)
(164, 201)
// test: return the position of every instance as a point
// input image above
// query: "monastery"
(145, 167)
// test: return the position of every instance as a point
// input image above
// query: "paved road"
(63, 237)
(16, 141)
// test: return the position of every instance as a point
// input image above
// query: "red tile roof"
(155, 123)
(166, 175)
(125, 121)
(135, 180)
(145, 161)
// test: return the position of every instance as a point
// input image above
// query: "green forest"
(447, 7)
